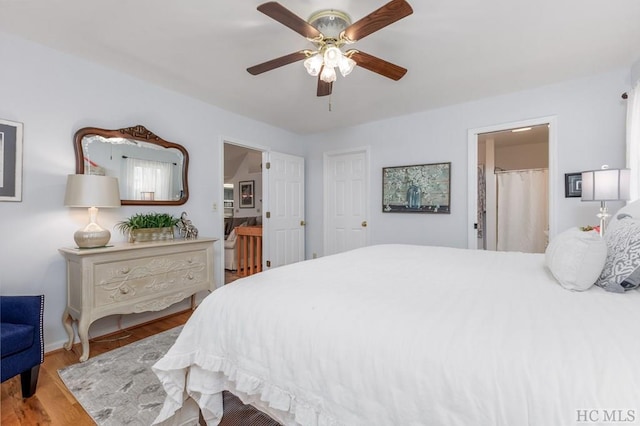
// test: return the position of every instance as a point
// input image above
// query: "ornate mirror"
(150, 170)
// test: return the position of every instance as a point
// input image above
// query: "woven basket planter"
(142, 235)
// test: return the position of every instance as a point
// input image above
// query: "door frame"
(326, 185)
(472, 171)
(218, 204)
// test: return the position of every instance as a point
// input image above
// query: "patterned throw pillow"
(621, 271)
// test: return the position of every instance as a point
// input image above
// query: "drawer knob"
(190, 275)
(189, 260)
(124, 290)
(125, 270)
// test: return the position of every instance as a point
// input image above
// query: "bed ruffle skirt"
(194, 383)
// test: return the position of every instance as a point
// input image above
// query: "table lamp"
(605, 185)
(92, 191)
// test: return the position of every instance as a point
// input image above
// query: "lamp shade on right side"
(605, 185)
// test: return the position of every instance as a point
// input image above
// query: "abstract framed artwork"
(423, 188)
(247, 194)
(572, 185)
(10, 160)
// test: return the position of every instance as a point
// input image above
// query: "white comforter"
(410, 335)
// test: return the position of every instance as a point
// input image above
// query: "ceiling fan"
(329, 30)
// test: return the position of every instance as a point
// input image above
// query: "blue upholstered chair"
(21, 339)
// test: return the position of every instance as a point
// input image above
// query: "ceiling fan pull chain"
(330, 103)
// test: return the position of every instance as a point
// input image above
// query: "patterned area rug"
(118, 387)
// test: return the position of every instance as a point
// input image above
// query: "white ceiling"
(455, 51)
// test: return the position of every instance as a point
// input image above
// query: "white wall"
(54, 95)
(591, 132)
(517, 151)
(520, 157)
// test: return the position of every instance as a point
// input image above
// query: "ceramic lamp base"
(92, 236)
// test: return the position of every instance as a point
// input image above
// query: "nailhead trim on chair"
(42, 329)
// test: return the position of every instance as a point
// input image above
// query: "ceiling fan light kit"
(329, 30)
(330, 22)
(324, 62)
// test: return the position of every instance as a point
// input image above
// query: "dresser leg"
(83, 332)
(67, 322)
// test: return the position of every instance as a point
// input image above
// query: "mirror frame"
(139, 133)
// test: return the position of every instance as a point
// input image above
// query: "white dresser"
(127, 278)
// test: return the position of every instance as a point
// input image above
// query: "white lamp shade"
(328, 74)
(332, 56)
(313, 64)
(92, 191)
(605, 185)
(346, 65)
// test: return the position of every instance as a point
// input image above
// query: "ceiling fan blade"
(324, 88)
(283, 15)
(378, 19)
(377, 65)
(278, 62)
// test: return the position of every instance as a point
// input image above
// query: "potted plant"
(148, 227)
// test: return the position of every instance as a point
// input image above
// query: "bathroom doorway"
(511, 167)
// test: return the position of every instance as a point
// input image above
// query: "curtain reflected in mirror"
(146, 180)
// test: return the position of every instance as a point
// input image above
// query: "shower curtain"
(523, 206)
(482, 202)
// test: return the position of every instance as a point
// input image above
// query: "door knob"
(364, 224)
(303, 223)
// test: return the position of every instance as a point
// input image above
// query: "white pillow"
(576, 258)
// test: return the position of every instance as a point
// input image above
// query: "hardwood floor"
(52, 403)
(230, 276)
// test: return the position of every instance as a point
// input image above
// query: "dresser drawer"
(153, 276)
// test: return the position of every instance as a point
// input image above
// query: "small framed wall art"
(247, 194)
(10, 160)
(572, 185)
(423, 188)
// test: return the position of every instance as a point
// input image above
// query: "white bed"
(409, 335)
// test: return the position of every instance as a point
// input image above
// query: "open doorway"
(511, 196)
(513, 182)
(243, 195)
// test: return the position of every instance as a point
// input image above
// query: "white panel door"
(346, 201)
(284, 214)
